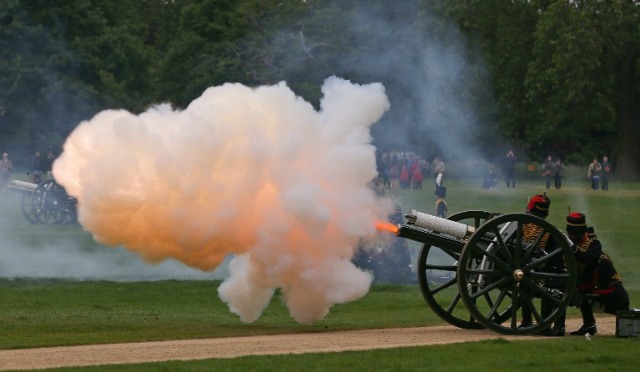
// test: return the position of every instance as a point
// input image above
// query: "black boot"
(559, 326)
(555, 331)
(591, 329)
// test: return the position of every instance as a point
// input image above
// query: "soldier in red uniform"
(599, 283)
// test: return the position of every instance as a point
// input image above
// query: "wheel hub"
(518, 275)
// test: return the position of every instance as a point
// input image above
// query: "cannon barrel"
(439, 225)
(432, 230)
(429, 237)
(23, 186)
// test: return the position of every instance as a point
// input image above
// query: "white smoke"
(257, 173)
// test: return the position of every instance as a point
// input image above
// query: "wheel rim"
(500, 270)
(29, 209)
(437, 273)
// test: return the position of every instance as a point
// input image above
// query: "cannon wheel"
(499, 270)
(50, 204)
(437, 270)
(29, 208)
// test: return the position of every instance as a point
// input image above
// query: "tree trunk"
(628, 164)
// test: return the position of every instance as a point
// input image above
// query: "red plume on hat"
(576, 224)
(539, 206)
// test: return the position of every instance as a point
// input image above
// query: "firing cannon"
(496, 265)
(46, 202)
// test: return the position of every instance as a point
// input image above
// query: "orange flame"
(386, 226)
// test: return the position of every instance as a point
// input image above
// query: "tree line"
(544, 77)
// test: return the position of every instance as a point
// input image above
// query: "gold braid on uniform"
(584, 246)
(616, 277)
(579, 250)
(531, 231)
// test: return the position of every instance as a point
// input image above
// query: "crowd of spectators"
(598, 172)
(38, 169)
(402, 170)
(407, 170)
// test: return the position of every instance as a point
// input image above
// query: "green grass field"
(52, 311)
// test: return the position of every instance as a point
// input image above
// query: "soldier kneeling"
(599, 284)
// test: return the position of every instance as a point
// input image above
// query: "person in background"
(36, 167)
(547, 172)
(47, 164)
(405, 177)
(438, 170)
(441, 204)
(490, 179)
(510, 169)
(417, 176)
(394, 173)
(606, 171)
(594, 172)
(598, 281)
(6, 168)
(557, 174)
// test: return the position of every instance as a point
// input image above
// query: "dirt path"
(257, 345)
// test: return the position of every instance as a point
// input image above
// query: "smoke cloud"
(258, 174)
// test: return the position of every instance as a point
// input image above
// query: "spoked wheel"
(51, 200)
(515, 263)
(29, 208)
(437, 268)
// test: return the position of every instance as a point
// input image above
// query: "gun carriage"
(483, 270)
(46, 202)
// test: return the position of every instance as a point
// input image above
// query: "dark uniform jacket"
(597, 276)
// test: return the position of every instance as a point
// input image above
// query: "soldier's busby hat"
(539, 206)
(576, 224)
(441, 191)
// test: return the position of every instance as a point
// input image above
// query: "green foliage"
(563, 92)
(561, 71)
(543, 76)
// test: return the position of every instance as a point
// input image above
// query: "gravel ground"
(258, 345)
